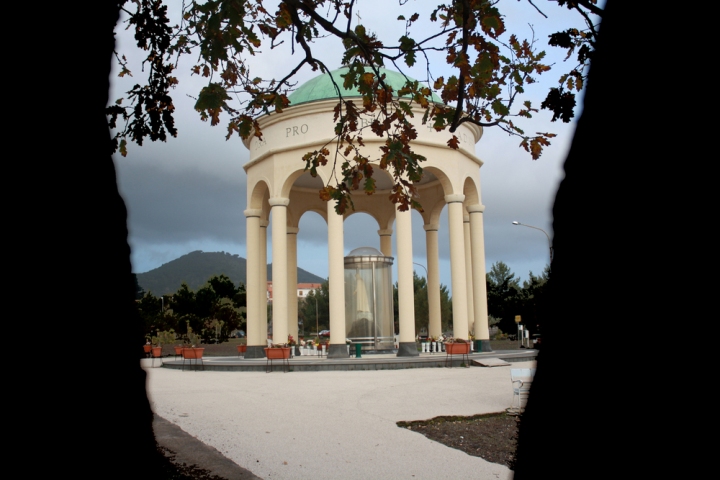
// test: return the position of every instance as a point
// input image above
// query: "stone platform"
(366, 362)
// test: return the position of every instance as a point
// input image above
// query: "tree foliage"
(422, 308)
(317, 302)
(506, 298)
(214, 311)
(489, 71)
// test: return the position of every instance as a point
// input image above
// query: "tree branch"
(461, 81)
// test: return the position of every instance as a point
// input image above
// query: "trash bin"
(358, 350)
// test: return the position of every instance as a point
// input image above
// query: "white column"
(263, 280)
(468, 272)
(477, 235)
(253, 282)
(386, 241)
(292, 282)
(279, 269)
(406, 293)
(336, 267)
(457, 265)
(433, 266)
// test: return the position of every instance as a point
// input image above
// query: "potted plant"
(156, 348)
(193, 351)
(292, 344)
(242, 348)
(147, 348)
(163, 338)
(457, 346)
(278, 350)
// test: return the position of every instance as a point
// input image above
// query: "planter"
(148, 350)
(178, 350)
(241, 350)
(457, 348)
(274, 353)
(282, 354)
(192, 352)
(157, 352)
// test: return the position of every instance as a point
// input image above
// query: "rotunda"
(278, 184)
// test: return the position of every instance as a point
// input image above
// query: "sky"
(189, 193)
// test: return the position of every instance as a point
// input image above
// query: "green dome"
(321, 88)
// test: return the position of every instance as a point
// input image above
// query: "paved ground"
(326, 425)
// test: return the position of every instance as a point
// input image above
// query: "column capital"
(431, 227)
(292, 230)
(278, 202)
(385, 232)
(454, 198)
(466, 218)
(476, 208)
(264, 223)
(252, 212)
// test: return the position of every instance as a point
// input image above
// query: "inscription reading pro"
(295, 130)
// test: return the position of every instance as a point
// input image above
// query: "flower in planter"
(291, 341)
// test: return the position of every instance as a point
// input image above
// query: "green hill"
(197, 267)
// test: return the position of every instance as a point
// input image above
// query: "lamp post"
(317, 328)
(536, 228)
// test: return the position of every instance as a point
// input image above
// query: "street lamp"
(317, 328)
(536, 228)
(426, 274)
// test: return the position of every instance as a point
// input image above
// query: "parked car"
(423, 337)
(324, 333)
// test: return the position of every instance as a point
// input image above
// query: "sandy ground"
(329, 425)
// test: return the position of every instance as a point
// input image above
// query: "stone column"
(386, 241)
(253, 285)
(263, 279)
(433, 281)
(406, 294)
(279, 269)
(336, 274)
(292, 284)
(457, 265)
(468, 272)
(482, 330)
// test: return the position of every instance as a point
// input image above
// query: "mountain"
(197, 267)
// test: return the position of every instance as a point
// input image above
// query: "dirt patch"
(492, 437)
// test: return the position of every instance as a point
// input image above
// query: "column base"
(407, 349)
(255, 351)
(484, 346)
(337, 351)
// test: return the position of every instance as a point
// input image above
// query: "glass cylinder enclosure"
(369, 318)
